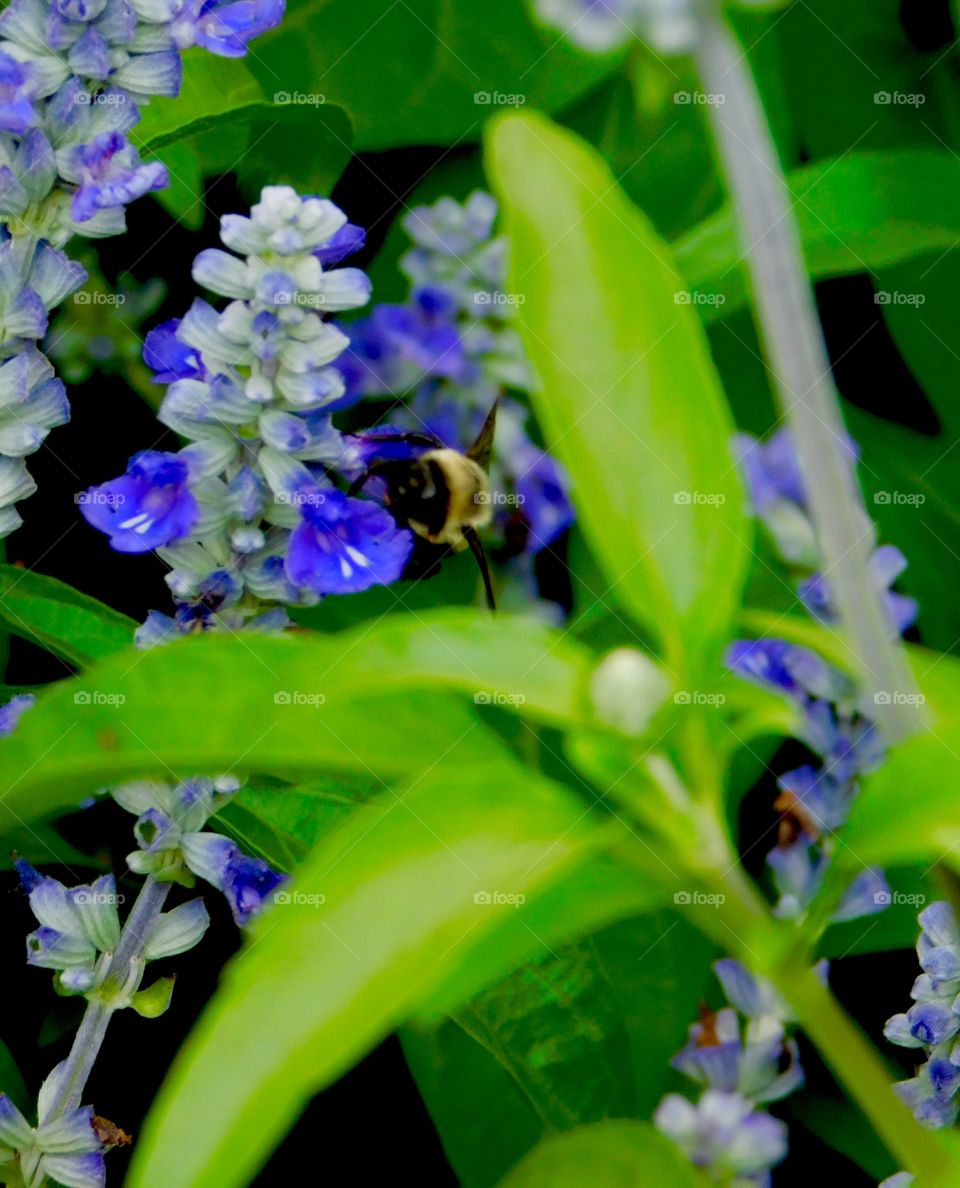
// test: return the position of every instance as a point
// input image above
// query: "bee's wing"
(476, 547)
(482, 448)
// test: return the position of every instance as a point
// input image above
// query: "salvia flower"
(814, 800)
(740, 1063)
(65, 1149)
(174, 847)
(11, 713)
(249, 513)
(80, 929)
(73, 76)
(932, 1024)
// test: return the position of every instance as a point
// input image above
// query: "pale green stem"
(800, 367)
(100, 1007)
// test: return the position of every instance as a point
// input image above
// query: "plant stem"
(101, 1005)
(857, 1066)
(800, 367)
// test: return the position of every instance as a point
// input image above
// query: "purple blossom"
(17, 113)
(247, 883)
(344, 545)
(110, 174)
(169, 356)
(148, 507)
(225, 28)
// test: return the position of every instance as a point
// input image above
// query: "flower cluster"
(64, 1148)
(80, 930)
(248, 513)
(452, 350)
(172, 848)
(92, 954)
(933, 1023)
(740, 1065)
(813, 800)
(73, 74)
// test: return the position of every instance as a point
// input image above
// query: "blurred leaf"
(428, 73)
(484, 1121)
(857, 213)
(838, 1123)
(908, 810)
(225, 121)
(319, 985)
(556, 1027)
(613, 1154)
(60, 618)
(291, 706)
(629, 398)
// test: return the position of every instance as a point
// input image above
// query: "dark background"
(372, 1124)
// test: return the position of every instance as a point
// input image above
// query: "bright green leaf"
(322, 981)
(292, 706)
(629, 398)
(60, 618)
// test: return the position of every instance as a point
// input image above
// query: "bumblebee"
(441, 495)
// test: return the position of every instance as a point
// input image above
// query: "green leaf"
(154, 1000)
(321, 982)
(617, 1154)
(61, 619)
(484, 1121)
(908, 811)
(281, 823)
(419, 74)
(628, 395)
(292, 706)
(556, 1027)
(225, 121)
(856, 213)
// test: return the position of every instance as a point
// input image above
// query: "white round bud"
(626, 689)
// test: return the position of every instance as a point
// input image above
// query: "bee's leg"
(476, 547)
